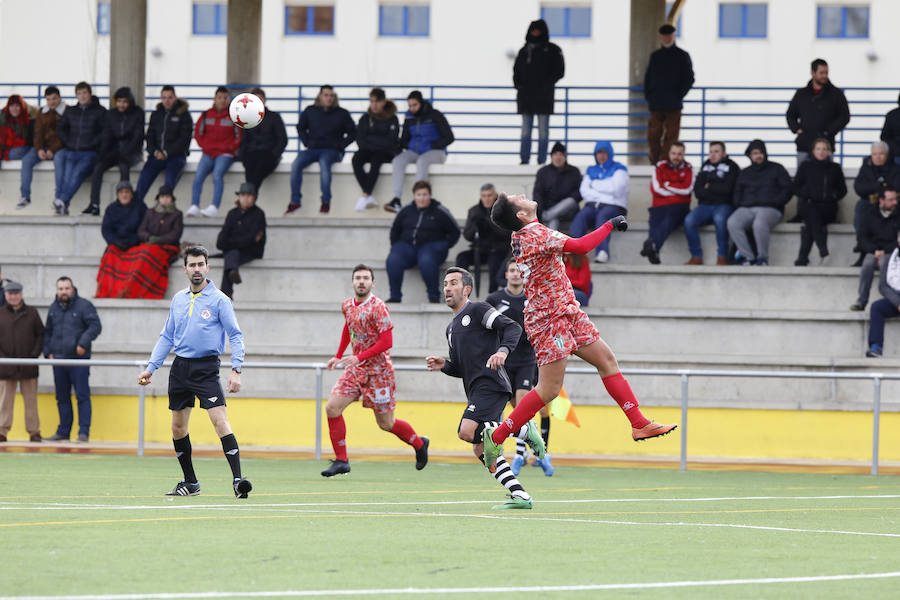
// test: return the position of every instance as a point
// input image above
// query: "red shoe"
(291, 208)
(650, 430)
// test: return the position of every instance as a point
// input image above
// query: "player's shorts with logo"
(191, 378)
(522, 377)
(558, 336)
(376, 388)
(486, 405)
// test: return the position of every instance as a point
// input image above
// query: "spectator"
(123, 218)
(242, 238)
(3, 283)
(219, 138)
(876, 174)
(889, 306)
(714, 189)
(424, 140)
(819, 185)
(168, 141)
(21, 336)
(16, 129)
(72, 325)
(422, 234)
(539, 65)
(605, 192)
(263, 145)
(123, 135)
(47, 145)
(818, 110)
(877, 237)
(890, 133)
(578, 270)
(671, 187)
(668, 79)
(326, 130)
(761, 191)
(81, 132)
(489, 243)
(378, 139)
(556, 189)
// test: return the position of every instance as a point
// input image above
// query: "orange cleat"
(650, 430)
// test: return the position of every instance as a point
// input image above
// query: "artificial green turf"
(348, 544)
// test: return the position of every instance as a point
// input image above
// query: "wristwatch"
(236, 370)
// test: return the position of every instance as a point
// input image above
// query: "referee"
(199, 319)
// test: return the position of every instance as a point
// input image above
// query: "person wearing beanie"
(668, 79)
(556, 189)
(242, 238)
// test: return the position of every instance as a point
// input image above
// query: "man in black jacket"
(876, 173)
(489, 243)
(378, 139)
(168, 141)
(81, 131)
(123, 218)
(818, 110)
(668, 79)
(262, 146)
(890, 133)
(713, 187)
(539, 65)
(877, 237)
(242, 238)
(556, 189)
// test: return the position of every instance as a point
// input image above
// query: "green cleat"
(515, 502)
(535, 441)
(492, 451)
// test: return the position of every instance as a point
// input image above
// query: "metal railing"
(683, 374)
(486, 125)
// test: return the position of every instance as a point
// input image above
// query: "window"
(677, 23)
(568, 21)
(309, 20)
(842, 22)
(410, 20)
(103, 18)
(742, 20)
(210, 19)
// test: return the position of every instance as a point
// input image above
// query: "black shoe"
(393, 206)
(336, 468)
(58, 438)
(235, 276)
(393, 300)
(649, 250)
(857, 306)
(859, 261)
(242, 487)
(92, 210)
(801, 262)
(183, 488)
(795, 219)
(324, 208)
(422, 454)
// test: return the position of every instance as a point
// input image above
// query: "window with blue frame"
(309, 20)
(210, 18)
(568, 21)
(842, 21)
(743, 20)
(103, 18)
(412, 20)
(677, 23)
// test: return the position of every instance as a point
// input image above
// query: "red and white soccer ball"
(247, 110)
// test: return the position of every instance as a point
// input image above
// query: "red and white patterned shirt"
(366, 322)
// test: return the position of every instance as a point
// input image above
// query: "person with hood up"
(424, 140)
(668, 79)
(81, 132)
(556, 189)
(819, 185)
(539, 65)
(818, 110)
(16, 129)
(714, 189)
(168, 141)
(263, 145)
(671, 186)
(123, 136)
(890, 132)
(378, 139)
(604, 189)
(47, 145)
(761, 191)
(220, 139)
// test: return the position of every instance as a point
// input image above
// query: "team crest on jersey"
(558, 341)
(205, 314)
(466, 320)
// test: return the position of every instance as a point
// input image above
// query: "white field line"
(470, 590)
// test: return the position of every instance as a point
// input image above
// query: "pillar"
(244, 37)
(127, 46)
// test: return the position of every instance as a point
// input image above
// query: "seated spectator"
(714, 188)
(16, 129)
(890, 133)
(671, 187)
(556, 189)
(121, 222)
(219, 138)
(876, 174)
(422, 234)
(605, 192)
(877, 237)
(242, 238)
(21, 336)
(168, 141)
(578, 270)
(889, 306)
(819, 185)
(761, 191)
(81, 132)
(326, 130)
(263, 145)
(424, 140)
(123, 136)
(47, 145)
(490, 244)
(378, 138)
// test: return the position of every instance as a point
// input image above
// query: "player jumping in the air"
(554, 322)
(480, 340)
(368, 374)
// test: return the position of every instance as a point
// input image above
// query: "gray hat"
(247, 188)
(124, 185)
(13, 286)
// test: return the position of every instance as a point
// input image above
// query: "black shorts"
(522, 377)
(191, 378)
(486, 406)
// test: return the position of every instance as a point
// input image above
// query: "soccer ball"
(247, 110)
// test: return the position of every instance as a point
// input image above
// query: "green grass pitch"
(94, 526)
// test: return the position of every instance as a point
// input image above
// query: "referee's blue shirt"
(196, 328)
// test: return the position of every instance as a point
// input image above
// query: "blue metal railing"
(486, 125)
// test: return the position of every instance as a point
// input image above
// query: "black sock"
(230, 448)
(183, 454)
(545, 431)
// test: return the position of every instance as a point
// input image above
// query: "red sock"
(618, 388)
(405, 432)
(525, 409)
(338, 431)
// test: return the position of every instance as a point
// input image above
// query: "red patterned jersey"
(367, 321)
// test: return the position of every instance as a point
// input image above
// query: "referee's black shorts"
(191, 378)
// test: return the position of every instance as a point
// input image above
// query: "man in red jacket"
(671, 186)
(220, 139)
